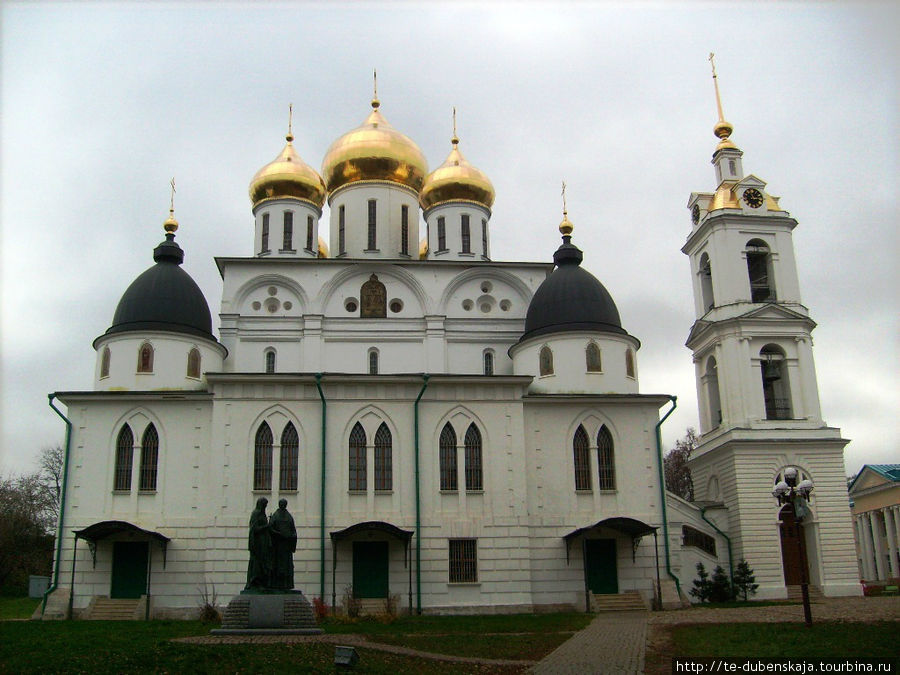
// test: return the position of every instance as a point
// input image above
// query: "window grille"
(270, 361)
(442, 234)
(310, 233)
(488, 363)
(342, 248)
(288, 242)
(404, 229)
(383, 464)
(149, 459)
(124, 457)
(288, 466)
(262, 458)
(701, 540)
(373, 362)
(463, 561)
(264, 245)
(372, 232)
(465, 235)
(357, 459)
(448, 458)
(582, 459)
(606, 460)
(473, 459)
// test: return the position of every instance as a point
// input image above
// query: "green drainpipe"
(425, 377)
(62, 505)
(728, 541)
(662, 492)
(322, 497)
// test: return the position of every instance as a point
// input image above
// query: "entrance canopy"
(107, 528)
(633, 528)
(372, 526)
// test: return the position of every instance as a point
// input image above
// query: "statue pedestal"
(257, 612)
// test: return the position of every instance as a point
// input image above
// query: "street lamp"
(787, 491)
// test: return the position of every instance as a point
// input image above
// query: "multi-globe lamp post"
(788, 491)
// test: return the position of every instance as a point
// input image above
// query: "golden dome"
(170, 225)
(423, 249)
(323, 248)
(566, 226)
(374, 151)
(288, 176)
(456, 180)
(725, 198)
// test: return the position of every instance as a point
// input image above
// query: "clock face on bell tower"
(753, 198)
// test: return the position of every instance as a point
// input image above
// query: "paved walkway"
(613, 643)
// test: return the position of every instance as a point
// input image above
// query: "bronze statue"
(284, 543)
(259, 569)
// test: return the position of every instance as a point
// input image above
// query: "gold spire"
(566, 225)
(723, 129)
(290, 133)
(171, 224)
(375, 101)
(455, 139)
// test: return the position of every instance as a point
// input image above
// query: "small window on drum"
(373, 361)
(270, 360)
(104, 362)
(145, 358)
(488, 362)
(193, 363)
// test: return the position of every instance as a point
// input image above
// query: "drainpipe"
(425, 377)
(62, 506)
(728, 541)
(322, 495)
(662, 493)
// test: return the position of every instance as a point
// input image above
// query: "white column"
(875, 523)
(890, 525)
(896, 511)
(861, 545)
(868, 547)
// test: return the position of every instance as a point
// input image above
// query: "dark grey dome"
(164, 297)
(571, 299)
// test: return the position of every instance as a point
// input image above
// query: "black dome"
(164, 297)
(571, 299)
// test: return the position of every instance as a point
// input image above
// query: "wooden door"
(600, 566)
(129, 569)
(370, 569)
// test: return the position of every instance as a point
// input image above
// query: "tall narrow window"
(712, 393)
(442, 234)
(371, 245)
(104, 362)
(373, 362)
(489, 363)
(342, 240)
(404, 229)
(357, 459)
(706, 287)
(448, 458)
(270, 360)
(592, 358)
(606, 460)
(546, 361)
(149, 459)
(124, 458)
(193, 363)
(463, 561)
(289, 464)
(145, 358)
(264, 244)
(383, 463)
(310, 233)
(580, 450)
(288, 243)
(473, 459)
(484, 243)
(629, 363)
(759, 269)
(776, 389)
(262, 458)
(465, 234)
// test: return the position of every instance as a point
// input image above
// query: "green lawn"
(17, 608)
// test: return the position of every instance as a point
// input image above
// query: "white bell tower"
(756, 381)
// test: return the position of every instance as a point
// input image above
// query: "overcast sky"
(103, 103)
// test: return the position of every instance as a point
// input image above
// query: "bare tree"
(50, 463)
(675, 463)
(27, 521)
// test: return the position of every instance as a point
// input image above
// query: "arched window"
(473, 459)
(104, 362)
(193, 363)
(149, 459)
(546, 361)
(404, 229)
(270, 360)
(629, 363)
(592, 358)
(582, 459)
(310, 231)
(287, 243)
(465, 234)
(288, 466)
(383, 463)
(145, 358)
(776, 388)
(264, 237)
(124, 457)
(448, 458)
(262, 458)
(373, 361)
(488, 362)
(706, 287)
(759, 269)
(357, 459)
(372, 243)
(606, 460)
(712, 392)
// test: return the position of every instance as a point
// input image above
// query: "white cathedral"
(461, 433)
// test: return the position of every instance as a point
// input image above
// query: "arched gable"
(277, 417)
(592, 420)
(138, 419)
(353, 277)
(460, 417)
(523, 292)
(263, 281)
(370, 418)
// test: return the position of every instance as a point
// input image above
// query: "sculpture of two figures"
(272, 542)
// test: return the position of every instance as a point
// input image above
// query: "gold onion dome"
(456, 180)
(374, 151)
(287, 176)
(566, 226)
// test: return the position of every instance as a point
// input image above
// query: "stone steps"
(629, 601)
(113, 609)
(795, 593)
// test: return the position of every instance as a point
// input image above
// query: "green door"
(370, 569)
(129, 569)
(600, 564)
